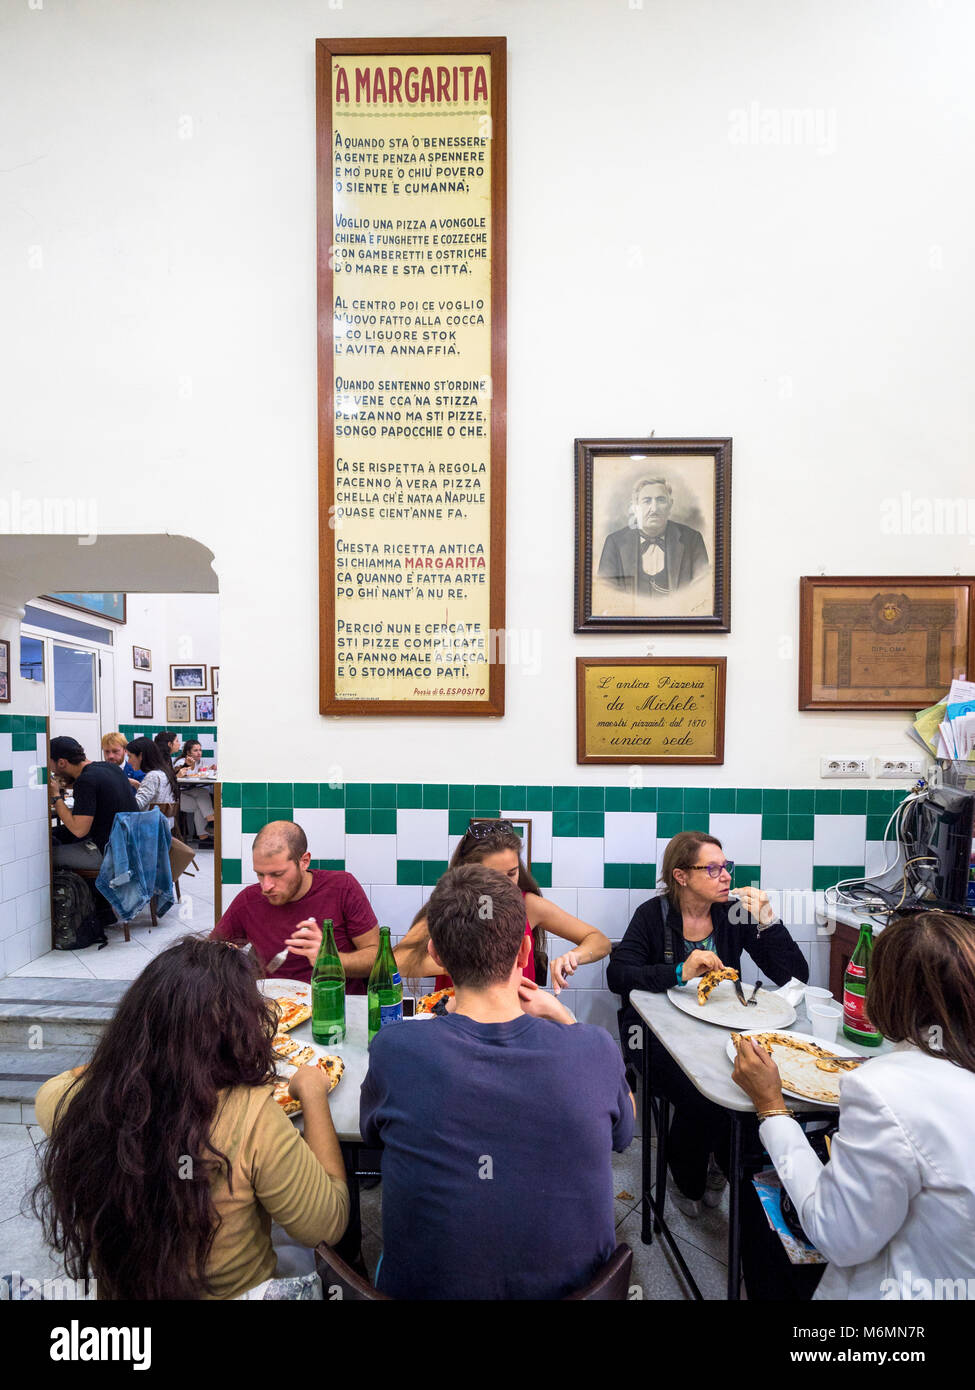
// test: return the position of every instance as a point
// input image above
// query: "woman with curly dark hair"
(168, 1157)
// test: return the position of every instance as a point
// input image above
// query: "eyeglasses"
(715, 870)
(481, 829)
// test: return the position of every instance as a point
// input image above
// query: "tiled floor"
(123, 960)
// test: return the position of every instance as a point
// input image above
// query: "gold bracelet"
(768, 1114)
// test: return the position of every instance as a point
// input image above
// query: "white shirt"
(894, 1209)
(154, 790)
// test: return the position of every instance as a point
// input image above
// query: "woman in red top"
(497, 845)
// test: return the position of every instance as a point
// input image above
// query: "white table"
(354, 1051)
(698, 1048)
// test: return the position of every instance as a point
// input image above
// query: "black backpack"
(74, 921)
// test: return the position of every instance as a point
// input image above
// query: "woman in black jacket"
(672, 939)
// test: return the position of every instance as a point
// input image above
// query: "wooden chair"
(169, 810)
(611, 1283)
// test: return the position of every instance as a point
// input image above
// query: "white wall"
(810, 300)
(176, 628)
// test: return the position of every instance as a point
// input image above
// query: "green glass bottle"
(385, 987)
(328, 991)
(856, 1026)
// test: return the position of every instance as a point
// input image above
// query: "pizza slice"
(303, 1057)
(714, 977)
(283, 1046)
(333, 1067)
(283, 1097)
(435, 1003)
(291, 1012)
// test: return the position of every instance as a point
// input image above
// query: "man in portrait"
(653, 556)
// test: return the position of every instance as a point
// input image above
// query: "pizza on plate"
(805, 1067)
(714, 977)
(332, 1065)
(291, 1012)
(435, 1003)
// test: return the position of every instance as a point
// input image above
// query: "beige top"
(275, 1174)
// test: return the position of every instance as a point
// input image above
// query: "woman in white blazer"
(894, 1209)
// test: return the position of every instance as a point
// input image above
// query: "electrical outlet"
(900, 767)
(844, 767)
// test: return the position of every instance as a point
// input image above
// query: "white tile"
(639, 896)
(8, 843)
(630, 837)
(421, 834)
(31, 908)
(40, 939)
(9, 919)
(577, 862)
(30, 838)
(38, 871)
(605, 908)
(325, 828)
(839, 839)
(879, 853)
(229, 892)
(589, 976)
(247, 858)
(541, 834)
(786, 864)
(395, 905)
(28, 1115)
(598, 1007)
(17, 951)
(13, 806)
(124, 964)
(817, 954)
(57, 965)
(565, 898)
(740, 835)
(14, 879)
(452, 842)
(370, 858)
(230, 832)
(6, 749)
(24, 768)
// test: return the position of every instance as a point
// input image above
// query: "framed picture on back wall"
(203, 708)
(177, 709)
(142, 699)
(187, 677)
(142, 658)
(4, 672)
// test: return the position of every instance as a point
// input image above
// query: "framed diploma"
(411, 375)
(651, 709)
(653, 535)
(883, 643)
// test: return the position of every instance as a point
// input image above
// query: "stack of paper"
(947, 729)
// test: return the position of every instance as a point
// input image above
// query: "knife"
(739, 991)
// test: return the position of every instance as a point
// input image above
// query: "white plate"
(285, 989)
(834, 1047)
(770, 1010)
(285, 1068)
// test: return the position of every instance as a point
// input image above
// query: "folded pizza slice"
(291, 1012)
(714, 977)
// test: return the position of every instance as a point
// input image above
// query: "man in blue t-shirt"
(497, 1121)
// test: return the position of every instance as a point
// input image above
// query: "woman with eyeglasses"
(497, 845)
(684, 932)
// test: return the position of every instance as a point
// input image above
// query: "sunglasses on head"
(483, 829)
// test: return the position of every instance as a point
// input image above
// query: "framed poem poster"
(411, 375)
(653, 535)
(4, 672)
(653, 709)
(142, 699)
(177, 709)
(883, 643)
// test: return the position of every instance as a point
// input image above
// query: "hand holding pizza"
(700, 963)
(306, 939)
(757, 1075)
(307, 1083)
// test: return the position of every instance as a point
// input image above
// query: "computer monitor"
(938, 834)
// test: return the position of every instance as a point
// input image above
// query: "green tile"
(696, 799)
(538, 798)
(333, 797)
(253, 794)
(565, 823)
(280, 813)
(722, 800)
(409, 795)
(747, 874)
(305, 794)
(774, 826)
(357, 794)
(7, 724)
(487, 796)
(6, 781)
(670, 798)
(23, 743)
(435, 798)
(383, 821)
(332, 865)
(231, 871)
(800, 827)
(775, 800)
(565, 798)
(40, 724)
(851, 871)
(696, 820)
(487, 810)
(252, 820)
(616, 875)
(460, 795)
(17, 726)
(825, 875)
(802, 802)
(42, 775)
(853, 801)
(357, 820)
(876, 825)
(280, 793)
(433, 870)
(643, 799)
(748, 800)
(230, 794)
(591, 824)
(643, 875)
(409, 871)
(669, 823)
(514, 798)
(617, 798)
(383, 796)
(828, 801)
(591, 798)
(878, 801)
(457, 822)
(542, 873)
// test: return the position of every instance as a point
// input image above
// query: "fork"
(751, 998)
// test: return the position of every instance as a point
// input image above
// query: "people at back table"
(285, 908)
(113, 751)
(168, 1158)
(196, 801)
(497, 1121)
(497, 845)
(168, 744)
(100, 791)
(158, 786)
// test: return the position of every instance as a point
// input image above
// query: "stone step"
(40, 1012)
(23, 1069)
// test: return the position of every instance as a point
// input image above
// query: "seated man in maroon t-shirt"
(289, 902)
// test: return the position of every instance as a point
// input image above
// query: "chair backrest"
(335, 1273)
(168, 808)
(612, 1282)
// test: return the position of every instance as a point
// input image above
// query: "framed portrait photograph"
(142, 658)
(653, 535)
(215, 679)
(650, 709)
(202, 708)
(177, 709)
(4, 672)
(868, 642)
(187, 677)
(521, 825)
(142, 699)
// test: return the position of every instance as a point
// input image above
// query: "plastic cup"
(815, 992)
(824, 1018)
